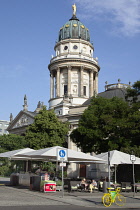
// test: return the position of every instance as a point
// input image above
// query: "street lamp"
(133, 159)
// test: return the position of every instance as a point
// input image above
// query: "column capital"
(82, 67)
(96, 74)
(91, 70)
(69, 67)
(58, 69)
(51, 74)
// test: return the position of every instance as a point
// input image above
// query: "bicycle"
(113, 197)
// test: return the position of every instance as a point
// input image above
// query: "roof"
(33, 114)
(54, 153)
(28, 113)
(117, 157)
(74, 29)
(110, 93)
(118, 92)
(87, 102)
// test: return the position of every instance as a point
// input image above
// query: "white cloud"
(123, 14)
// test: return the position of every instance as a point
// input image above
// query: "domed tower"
(73, 70)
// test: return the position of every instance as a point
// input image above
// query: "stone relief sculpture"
(85, 76)
(22, 121)
(85, 82)
(74, 81)
(85, 79)
(18, 123)
(64, 77)
(75, 75)
(74, 89)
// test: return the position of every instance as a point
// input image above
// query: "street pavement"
(18, 196)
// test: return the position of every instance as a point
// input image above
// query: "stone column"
(81, 81)
(96, 83)
(91, 83)
(58, 82)
(51, 85)
(69, 80)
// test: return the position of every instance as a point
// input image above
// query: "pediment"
(22, 119)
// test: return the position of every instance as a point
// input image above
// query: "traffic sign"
(62, 154)
(132, 157)
(63, 164)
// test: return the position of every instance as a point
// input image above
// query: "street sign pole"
(133, 158)
(133, 178)
(62, 180)
(62, 156)
(108, 168)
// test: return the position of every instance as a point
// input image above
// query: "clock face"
(66, 47)
(75, 47)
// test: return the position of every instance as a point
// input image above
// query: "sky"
(29, 30)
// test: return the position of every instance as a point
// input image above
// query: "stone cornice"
(72, 60)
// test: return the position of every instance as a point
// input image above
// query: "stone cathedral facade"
(73, 81)
(73, 78)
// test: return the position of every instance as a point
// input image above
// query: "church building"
(73, 82)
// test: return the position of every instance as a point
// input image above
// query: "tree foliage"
(11, 142)
(8, 143)
(46, 131)
(132, 150)
(133, 93)
(107, 124)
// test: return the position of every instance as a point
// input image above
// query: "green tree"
(107, 124)
(8, 143)
(11, 142)
(46, 131)
(133, 93)
(132, 150)
(133, 97)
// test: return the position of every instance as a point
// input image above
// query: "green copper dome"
(74, 29)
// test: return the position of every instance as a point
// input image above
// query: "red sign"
(50, 187)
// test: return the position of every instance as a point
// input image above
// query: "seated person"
(92, 185)
(84, 184)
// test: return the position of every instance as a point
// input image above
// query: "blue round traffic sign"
(62, 153)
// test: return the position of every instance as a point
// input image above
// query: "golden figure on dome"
(74, 9)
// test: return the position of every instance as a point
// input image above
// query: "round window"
(66, 47)
(75, 47)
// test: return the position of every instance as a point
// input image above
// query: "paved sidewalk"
(21, 196)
